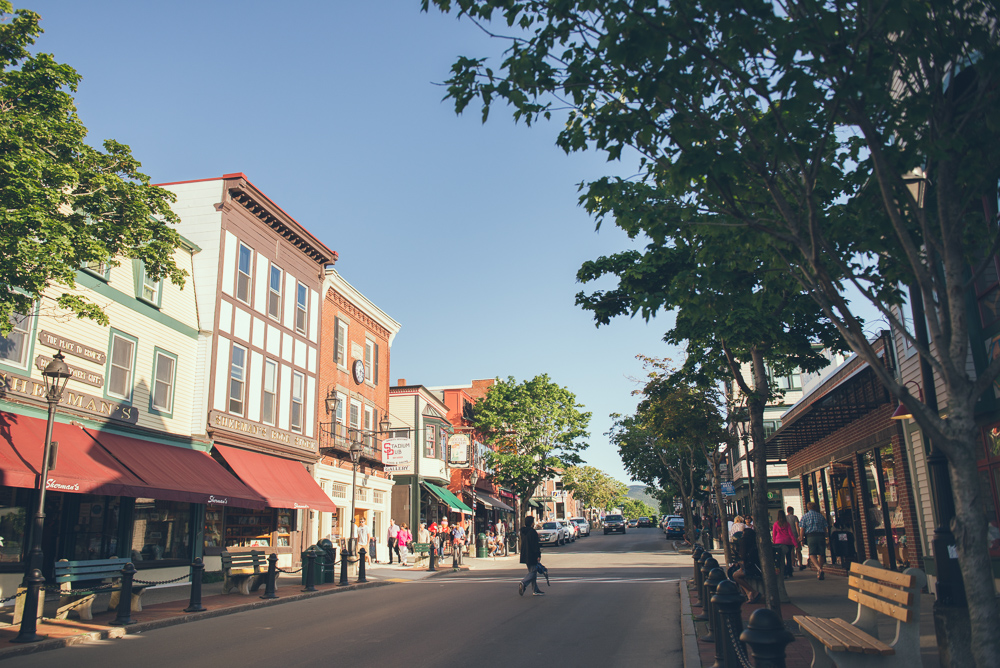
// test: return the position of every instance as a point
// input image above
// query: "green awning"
(534, 504)
(448, 498)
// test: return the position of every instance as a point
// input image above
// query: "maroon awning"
(283, 483)
(178, 474)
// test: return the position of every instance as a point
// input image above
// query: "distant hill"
(639, 492)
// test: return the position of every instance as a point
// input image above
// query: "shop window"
(429, 440)
(13, 521)
(269, 398)
(274, 293)
(121, 362)
(243, 274)
(237, 379)
(161, 530)
(298, 382)
(93, 521)
(14, 348)
(163, 382)
(301, 302)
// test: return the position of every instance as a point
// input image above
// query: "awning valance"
(283, 483)
(491, 501)
(448, 498)
(181, 474)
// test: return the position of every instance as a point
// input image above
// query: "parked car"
(574, 532)
(551, 533)
(675, 528)
(582, 525)
(666, 520)
(614, 523)
(645, 522)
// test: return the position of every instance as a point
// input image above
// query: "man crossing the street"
(531, 554)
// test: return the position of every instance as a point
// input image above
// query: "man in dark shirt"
(531, 554)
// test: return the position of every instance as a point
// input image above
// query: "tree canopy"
(63, 203)
(593, 487)
(854, 139)
(535, 428)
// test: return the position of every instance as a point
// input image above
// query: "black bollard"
(699, 575)
(454, 556)
(726, 606)
(29, 618)
(767, 636)
(703, 595)
(361, 565)
(714, 578)
(124, 617)
(343, 569)
(272, 575)
(696, 578)
(197, 573)
(432, 554)
(310, 567)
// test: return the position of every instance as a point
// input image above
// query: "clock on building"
(358, 369)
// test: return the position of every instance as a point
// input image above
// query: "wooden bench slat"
(904, 615)
(849, 642)
(897, 596)
(874, 645)
(811, 626)
(883, 575)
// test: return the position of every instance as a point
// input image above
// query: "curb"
(689, 638)
(139, 627)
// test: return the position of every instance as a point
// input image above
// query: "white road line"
(564, 580)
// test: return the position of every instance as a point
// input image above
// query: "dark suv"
(614, 523)
(645, 522)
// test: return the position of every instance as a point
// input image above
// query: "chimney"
(401, 382)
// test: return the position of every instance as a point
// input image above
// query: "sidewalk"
(164, 606)
(808, 596)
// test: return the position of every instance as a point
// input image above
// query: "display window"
(161, 530)
(93, 522)
(883, 506)
(14, 504)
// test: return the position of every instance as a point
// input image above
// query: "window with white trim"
(237, 379)
(429, 441)
(163, 382)
(14, 348)
(340, 342)
(269, 398)
(274, 293)
(244, 273)
(150, 288)
(122, 364)
(341, 407)
(298, 393)
(339, 490)
(301, 302)
(369, 426)
(378, 497)
(355, 415)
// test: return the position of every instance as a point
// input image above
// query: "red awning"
(282, 482)
(82, 465)
(179, 474)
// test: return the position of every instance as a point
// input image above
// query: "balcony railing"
(336, 436)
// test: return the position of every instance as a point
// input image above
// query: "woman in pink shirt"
(784, 539)
(403, 539)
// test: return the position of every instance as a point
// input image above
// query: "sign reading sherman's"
(35, 389)
(238, 425)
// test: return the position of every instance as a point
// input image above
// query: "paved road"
(613, 601)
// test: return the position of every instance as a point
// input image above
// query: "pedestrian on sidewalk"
(404, 539)
(785, 540)
(812, 529)
(531, 554)
(423, 535)
(362, 538)
(458, 539)
(391, 536)
(749, 564)
(793, 521)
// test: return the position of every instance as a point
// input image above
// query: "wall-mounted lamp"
(902, 412)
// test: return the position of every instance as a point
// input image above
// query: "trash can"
(330, 561)
(318, 566)
(481, 552)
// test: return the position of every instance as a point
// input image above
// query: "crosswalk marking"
(607, 580)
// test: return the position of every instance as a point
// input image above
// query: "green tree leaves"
(62, 202)
(595, 488)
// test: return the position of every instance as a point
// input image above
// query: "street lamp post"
(473, 479)
(56, 375)
(355, 451)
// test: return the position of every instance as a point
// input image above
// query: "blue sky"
(467, 234)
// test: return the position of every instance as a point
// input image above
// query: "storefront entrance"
(882, 507)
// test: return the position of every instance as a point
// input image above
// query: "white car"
(582, 524)
(550, 533)
(574, 530)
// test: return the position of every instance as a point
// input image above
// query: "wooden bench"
(877, 591)
(243, 571)
(77, 574)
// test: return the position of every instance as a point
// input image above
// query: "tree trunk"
(765, 548)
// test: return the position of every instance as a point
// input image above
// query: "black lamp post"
(56, 375)
(473, 479)
(355, 451)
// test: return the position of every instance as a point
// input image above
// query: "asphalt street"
(613, 601)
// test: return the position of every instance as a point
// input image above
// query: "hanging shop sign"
(397, 454)
(83, 375)
(727, 489)
(459, 451)
(219, 420)
(12, 384)
(71, 347)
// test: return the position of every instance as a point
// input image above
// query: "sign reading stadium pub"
(12, 384)
(237, 425)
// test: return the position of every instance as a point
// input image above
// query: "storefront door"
(847, 515)
(880, 503)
